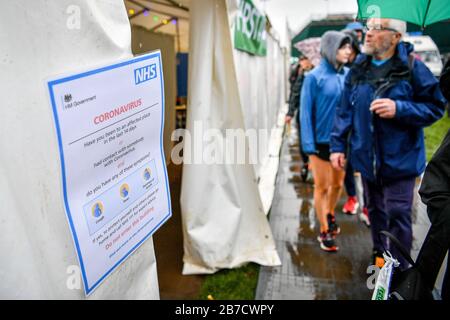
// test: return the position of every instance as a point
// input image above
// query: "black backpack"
(408, 284)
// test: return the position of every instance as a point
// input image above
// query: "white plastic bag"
(382, 286)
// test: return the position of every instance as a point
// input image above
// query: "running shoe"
(333, 227)
(327, 242)
(351, 206)
(364, 217)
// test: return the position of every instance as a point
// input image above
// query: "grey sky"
(299, 12)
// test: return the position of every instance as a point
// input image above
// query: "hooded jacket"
(387, 149)
(321, 92)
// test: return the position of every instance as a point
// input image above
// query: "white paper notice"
(109, 122)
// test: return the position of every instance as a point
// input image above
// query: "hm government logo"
(145, 73)
(67, 97)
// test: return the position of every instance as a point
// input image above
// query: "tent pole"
(177, 5)
(178, 35)
(137, 14)
(163, 24)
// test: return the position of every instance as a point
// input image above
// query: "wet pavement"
(307, 272)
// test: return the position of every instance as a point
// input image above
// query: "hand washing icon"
(97, 209)
(124, 190)
(147, 174)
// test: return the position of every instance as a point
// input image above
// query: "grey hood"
(329, 45)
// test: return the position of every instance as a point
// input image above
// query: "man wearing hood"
(320, 94)
(388, 99)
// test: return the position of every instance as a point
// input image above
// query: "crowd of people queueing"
(362, 110)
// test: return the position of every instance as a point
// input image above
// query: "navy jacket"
(387, 149)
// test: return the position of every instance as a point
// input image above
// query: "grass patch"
(435, 134)
(231, 284)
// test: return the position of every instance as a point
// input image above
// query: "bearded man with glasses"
(389, 97)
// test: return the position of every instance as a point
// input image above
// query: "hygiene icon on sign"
(147, 174)
(124, 190)
(119, 197)
(97, 210)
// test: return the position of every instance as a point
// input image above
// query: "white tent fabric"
(224, 223)
(262, 82)
(262, 93)
(39, 39)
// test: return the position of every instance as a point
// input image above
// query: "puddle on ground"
(312, 273)
(335, 275)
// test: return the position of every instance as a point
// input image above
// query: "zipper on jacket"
(377, 95)
(374, 144)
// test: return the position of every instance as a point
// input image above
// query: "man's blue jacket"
(387, 149)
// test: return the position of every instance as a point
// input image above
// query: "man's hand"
(385, 108)
(288, 119)
(337, 160)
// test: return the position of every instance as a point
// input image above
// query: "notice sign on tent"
(250, 29)
(109, 123)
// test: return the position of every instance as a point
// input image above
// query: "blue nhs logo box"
(145, 73)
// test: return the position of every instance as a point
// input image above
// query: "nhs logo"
(145, 73)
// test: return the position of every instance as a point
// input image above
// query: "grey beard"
(376, 52)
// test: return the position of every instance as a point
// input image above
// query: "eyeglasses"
(377, 28)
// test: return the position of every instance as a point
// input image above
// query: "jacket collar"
(326, 64)
(402, 52)
(400, 61)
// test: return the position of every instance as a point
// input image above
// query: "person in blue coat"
(389, 97)
(320, 94)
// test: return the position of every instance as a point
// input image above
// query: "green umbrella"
(421, 12)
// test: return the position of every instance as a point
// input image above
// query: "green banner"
(250, 29)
